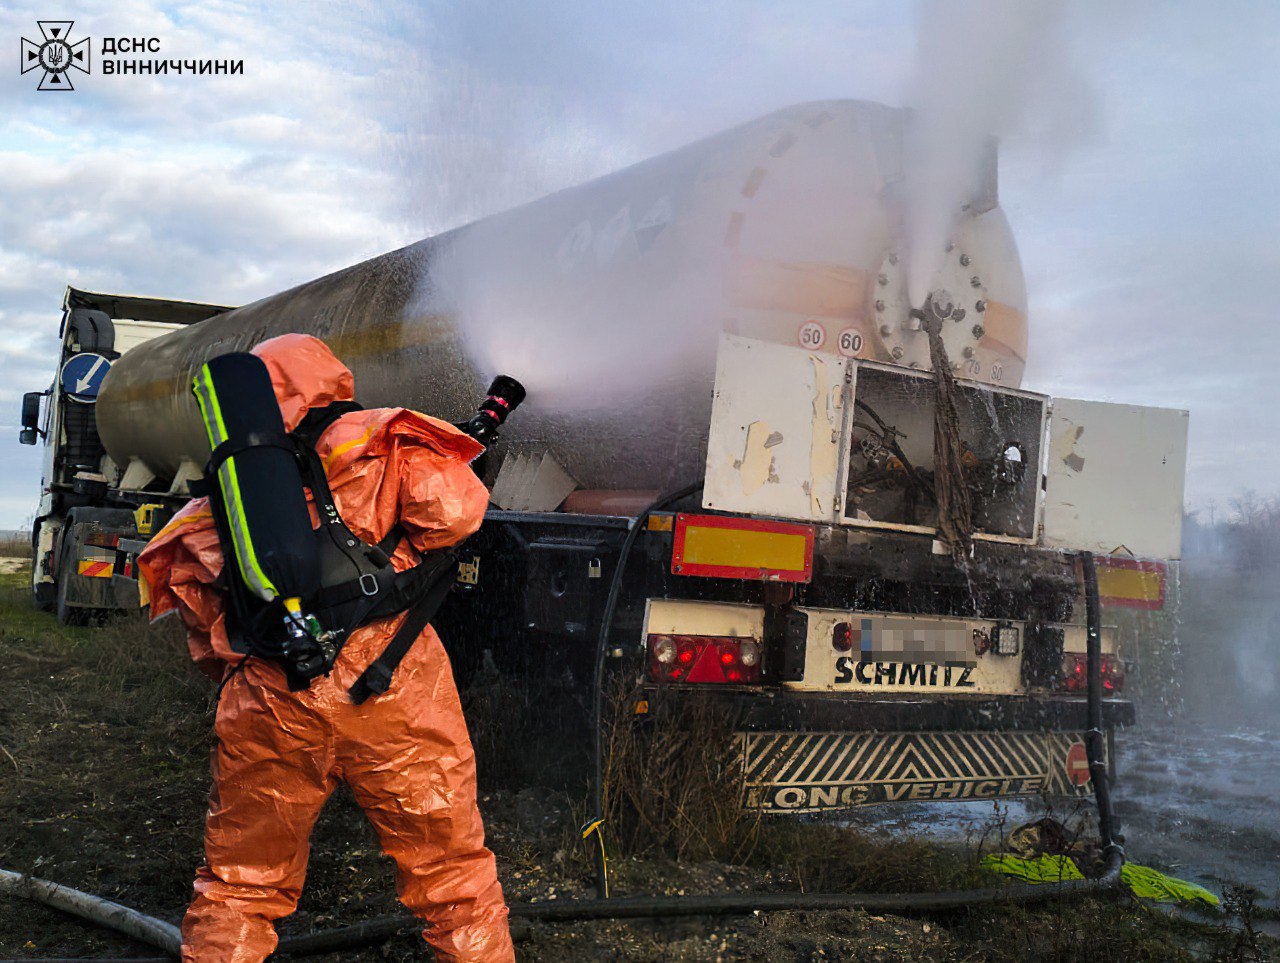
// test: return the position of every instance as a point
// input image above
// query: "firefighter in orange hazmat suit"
(279, 754)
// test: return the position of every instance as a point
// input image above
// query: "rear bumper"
(814, 752)
(815, 771)
(780, 710)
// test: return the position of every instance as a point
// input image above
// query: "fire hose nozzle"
(504, 396)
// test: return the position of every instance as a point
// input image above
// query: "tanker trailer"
(782, 229)
(731, 322)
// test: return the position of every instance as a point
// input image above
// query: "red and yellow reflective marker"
(93, 568)
(1132, 584)
(718, 546)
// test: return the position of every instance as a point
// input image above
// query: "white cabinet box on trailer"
(834, 443)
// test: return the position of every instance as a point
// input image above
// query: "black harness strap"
(316, 420)
(378, 593)
(229, 449)
(376, 679)
(419, 591)
(395, 535)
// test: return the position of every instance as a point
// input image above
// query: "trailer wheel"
(68, 614)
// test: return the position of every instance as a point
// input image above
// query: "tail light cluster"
(1075, 673)
(703, 658)
(842, 637)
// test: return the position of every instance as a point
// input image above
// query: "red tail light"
(842, 637)
(1075, 674)
(703, 658)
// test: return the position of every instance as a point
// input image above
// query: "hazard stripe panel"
(1132, 584)
(94, 569)
(810, 772)
(722, 546)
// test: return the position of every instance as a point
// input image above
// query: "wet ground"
(1201, 802)
(1195, 801)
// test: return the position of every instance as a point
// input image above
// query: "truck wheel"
(44, 596)
(69, 614)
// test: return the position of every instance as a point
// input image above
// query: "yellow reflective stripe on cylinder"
(246, 559)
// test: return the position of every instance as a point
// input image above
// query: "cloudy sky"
(1143, 181)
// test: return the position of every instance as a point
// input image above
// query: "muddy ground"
(103, 777)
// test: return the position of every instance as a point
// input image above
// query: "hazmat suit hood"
(305, 374)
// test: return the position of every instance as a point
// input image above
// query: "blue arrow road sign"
(82, 376)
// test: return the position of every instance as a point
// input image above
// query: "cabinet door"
(775, 431)
(1115, 478)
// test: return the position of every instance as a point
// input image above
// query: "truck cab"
(82, 514)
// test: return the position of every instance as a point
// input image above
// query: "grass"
(15, 545)
(104, 737)
(669, 785)
(96, 726)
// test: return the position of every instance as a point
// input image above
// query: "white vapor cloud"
(359, 126)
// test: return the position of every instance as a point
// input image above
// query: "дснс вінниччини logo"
(55, 55)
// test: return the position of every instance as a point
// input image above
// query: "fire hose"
(595, 824)
(164, 936)
(157, 933)
(144, 929)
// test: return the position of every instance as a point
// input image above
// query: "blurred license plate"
(910, 640)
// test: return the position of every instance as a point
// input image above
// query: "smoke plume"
(983, 68)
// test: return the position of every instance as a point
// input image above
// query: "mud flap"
(86, 569)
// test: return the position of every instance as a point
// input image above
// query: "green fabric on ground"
(1151, 884)
(1143, 881)
(1042, 869)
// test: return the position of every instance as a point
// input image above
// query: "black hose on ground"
(1094, 738)
(641, 907)
(734, 904)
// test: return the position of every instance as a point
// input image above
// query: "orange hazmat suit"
(278, 754)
